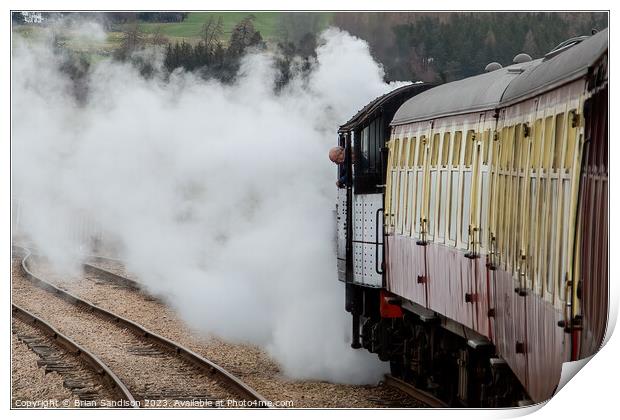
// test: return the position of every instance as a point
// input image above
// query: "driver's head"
(336, 154)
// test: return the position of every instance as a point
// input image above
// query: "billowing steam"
(220, 196)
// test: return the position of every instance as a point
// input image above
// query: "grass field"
(269, 24)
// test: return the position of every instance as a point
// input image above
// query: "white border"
(591, 394)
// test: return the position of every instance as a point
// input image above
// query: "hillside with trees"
(428, 46)
(448, 46)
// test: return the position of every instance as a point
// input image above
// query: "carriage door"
(521, 222)
(423, 231)
(478, 230)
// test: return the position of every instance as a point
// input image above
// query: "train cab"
(360, 203)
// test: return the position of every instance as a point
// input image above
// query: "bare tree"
(132, 40)
(212, 32)
(158, 38)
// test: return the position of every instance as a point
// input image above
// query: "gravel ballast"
(153, 376)
(248, 362)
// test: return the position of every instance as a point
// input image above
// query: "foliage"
(208, 56)
(449, 46)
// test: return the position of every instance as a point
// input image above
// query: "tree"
(212, 32)
(158, 38)
(244, 35)
(132, 40)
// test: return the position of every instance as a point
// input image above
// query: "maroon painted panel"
(405, 263)
(594, 222)
(449, 279)
(449, 276)
(509, 323)
(481, 289)
(548, 346)
(528, 320)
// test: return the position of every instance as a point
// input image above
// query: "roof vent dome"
(521, 58)
(492, 67)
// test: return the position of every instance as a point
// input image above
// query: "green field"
(269, 24)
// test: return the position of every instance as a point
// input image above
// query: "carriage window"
(513, 159)
(498, 199)
(559, 138)
(410, 214)
(552, 237)
(365, 143)
(507, 146)
(532, 241)
(411, 151)
(435, 150)
(537, 144)
(543, 235)
(445, 149)
(466, 205)
(403, 153)
(469, 145)
(484, 207)
(519, 150)
(456, 148)
(431, 208)
(547, 143)
(565, 244)
(419, 199)
(486, 153)
(395, 152)
(376, 142)
(518, 219)
(443, 202)
(454, 194)
(570, 143)
(394, 198)
(421, 145)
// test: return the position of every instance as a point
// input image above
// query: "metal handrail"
(377, 243)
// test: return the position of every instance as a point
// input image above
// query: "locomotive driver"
(338, 156)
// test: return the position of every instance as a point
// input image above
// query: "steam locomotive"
(472, 234)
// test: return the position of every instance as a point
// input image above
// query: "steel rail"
(244, 391)
(110, 276)
(418, 394)
(93, 362)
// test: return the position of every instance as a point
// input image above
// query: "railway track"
(84, 374)
(113, 272)
(157, 371)
(426, 398)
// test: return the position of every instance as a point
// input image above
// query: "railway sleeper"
(76, 377)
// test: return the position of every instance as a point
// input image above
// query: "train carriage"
(495, 223)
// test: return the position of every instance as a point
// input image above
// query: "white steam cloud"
(221, 196)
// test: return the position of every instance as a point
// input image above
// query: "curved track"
(152, 345)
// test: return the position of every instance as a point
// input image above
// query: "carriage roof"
(558, 69)
(374, 107)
